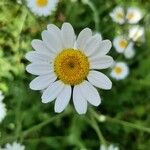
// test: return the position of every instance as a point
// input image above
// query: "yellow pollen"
(71, 66)
(120, 15)
(123, 43)
(118, 70)
(42, 3)
(130, 16)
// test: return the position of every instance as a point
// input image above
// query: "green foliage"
(35, 124)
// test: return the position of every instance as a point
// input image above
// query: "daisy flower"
(122, 45)
(2, 108)
(67, 67)
(14, 146)
(120, 71)
(118, 15)
(110, 147)
(136, 33)
(134, 15)
(42, 7)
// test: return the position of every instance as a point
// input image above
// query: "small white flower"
(118, 15)
(129, 51)
(67, 66)
(136, 33)
(120, 71)
(14, 146)
(134, 15)
(120, 43)
(110, 147)
(42, 7)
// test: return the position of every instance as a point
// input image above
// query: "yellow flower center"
(42, 3)
(71, 66)
(130, 16)
(120, 15)
(118, 70)
(123, 43)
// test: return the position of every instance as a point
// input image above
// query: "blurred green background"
(35, 124)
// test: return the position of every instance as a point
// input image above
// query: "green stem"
(95, 126)
(39, 126)
(121, 122)
(95, 13)
(30, 130)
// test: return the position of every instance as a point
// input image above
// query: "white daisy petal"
(39, 68)
(90, 93)
(79, 101)
(53, 28)
(83, 36)
(99, 80)
(34, 56)
(91, 45)
(68, 35)
(42, 82)
(52, 91)
(40, 47)
(101, 63)
(52, 41)
(102, 50)
(63, 99)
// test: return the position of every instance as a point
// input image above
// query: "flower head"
(14, 146)
(120, 43)
(118, 15)
(120, 71)
(136, 33)
(110, 147)
(134, 15)
(42, 7)
(66, 65)
(123, 45)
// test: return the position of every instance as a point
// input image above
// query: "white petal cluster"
(55, 40)
(136, 33)
(125, 46)
(120, 71)
(118, 15)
